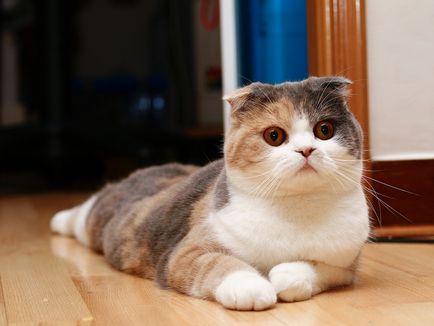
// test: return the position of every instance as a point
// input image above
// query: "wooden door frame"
(337, 46)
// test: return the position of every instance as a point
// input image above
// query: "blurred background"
(91, 90)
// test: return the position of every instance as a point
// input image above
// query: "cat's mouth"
(307, 167)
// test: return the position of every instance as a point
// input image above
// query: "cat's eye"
(324, 130)
(274, 136)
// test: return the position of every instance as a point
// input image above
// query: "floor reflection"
(80, 260)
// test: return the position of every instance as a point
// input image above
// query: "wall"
(401, 78)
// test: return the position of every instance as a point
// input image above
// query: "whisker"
(374, 194)
(253, 176)
(259, 188)
(393, 210)
(378, 218)
(388, 185)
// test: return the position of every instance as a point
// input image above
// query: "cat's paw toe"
(293, 281)
(245, 290)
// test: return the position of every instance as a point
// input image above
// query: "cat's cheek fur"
(245, 290)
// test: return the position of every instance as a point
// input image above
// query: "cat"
(282, 216)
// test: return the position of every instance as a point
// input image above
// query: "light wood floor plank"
(42, 293)
(36, 286)
(3, 320)
(395, 285)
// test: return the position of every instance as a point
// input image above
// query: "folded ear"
(333, 84)
(255, 92)
(238, 98)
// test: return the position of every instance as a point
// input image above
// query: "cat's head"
(293, 137)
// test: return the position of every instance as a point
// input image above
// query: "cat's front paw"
(245, 290)
(293, 281)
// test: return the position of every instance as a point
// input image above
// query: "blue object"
(115, 84)
(273, 40)
(149, 103)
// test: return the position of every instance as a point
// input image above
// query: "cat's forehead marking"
(283, 111)
(301, 123)
(260, 115)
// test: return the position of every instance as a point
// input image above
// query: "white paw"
(245, 290)
(293, 281)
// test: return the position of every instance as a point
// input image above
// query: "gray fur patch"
(221, 192)
(326, 99)
(114, 200)
(167, 225)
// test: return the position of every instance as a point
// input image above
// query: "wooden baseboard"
(415, 231)
(413, 206)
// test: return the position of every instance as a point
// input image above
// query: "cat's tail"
(72, 221)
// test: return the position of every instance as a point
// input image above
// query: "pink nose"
(306, 151)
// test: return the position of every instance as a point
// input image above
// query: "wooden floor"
(51, 279)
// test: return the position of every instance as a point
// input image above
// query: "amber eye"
(274, 136)
(324, 130)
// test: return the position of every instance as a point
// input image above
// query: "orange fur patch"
(244, 144)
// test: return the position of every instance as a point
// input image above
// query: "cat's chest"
(266, 234)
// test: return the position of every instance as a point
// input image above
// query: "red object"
(209, 22)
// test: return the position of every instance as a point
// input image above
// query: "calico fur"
(254, 226)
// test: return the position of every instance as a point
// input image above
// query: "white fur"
(244, 290)
(293, 281)
(73, 221)
(63, 221)
(279, 213)
(317, 227)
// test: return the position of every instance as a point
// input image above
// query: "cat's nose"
(306, 151)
